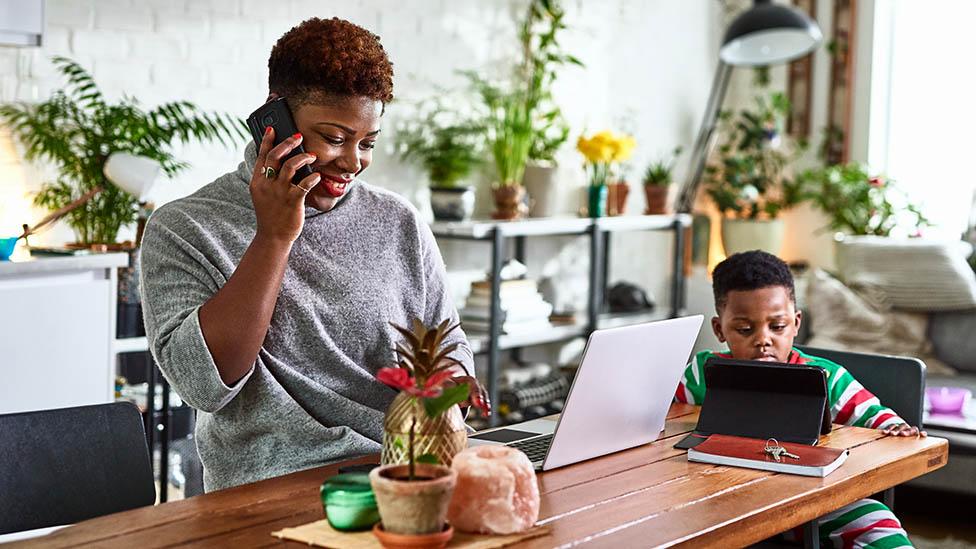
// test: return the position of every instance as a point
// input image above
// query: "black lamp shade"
(769, 33)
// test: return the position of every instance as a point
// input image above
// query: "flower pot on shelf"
(389, 540)
(443, 436)
(541, 185)
(656, 197)
(509, 202)
(742, 235)
(413, 507)
(452, 203)
(617, 198)
(597, 201)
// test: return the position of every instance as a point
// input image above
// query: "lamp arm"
(61, 212)
(699, 153)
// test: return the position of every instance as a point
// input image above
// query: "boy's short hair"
(750, 271)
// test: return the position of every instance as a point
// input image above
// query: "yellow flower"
(599, 148)
(623, 147)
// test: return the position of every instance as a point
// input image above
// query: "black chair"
(897, 381)
(71, 464)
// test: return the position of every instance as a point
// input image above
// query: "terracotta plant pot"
(413, 507)
(437, 540)
(617, 197)
(509, 202)
(657, 199)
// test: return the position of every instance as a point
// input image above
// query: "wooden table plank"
(650, 495)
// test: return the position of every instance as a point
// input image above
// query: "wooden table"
(643, 497)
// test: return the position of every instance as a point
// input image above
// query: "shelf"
(562, 332)
(616, 320)
(642, 222)
(130, 345)
(558, 332)
(480, 229)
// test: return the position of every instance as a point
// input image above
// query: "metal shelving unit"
(499, 234)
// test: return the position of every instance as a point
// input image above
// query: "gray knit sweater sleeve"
(176, 281)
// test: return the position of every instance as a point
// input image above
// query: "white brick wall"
(648, 62)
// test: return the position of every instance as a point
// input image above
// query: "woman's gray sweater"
(312, 396)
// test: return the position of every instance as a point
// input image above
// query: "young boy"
(757, 318)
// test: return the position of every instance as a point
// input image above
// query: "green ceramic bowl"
(349, 502)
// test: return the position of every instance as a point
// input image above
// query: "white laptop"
(619, 399)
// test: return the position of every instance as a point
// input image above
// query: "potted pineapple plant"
(423, 431)
(657, 183)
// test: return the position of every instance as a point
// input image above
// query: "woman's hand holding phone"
(278, 204)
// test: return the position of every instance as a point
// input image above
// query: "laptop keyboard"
(535, 447)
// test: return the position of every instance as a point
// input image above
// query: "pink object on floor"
(496, 491)
(947, 400)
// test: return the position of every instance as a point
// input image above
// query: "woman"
(267, 304)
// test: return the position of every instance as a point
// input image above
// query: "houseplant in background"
(748, 183)
(77, 130)
(542, 57)
(423, 431)
(449, 148)
(602, 152)
(658, 178)
(858, 203)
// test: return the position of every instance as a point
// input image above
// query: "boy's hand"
(903, 430)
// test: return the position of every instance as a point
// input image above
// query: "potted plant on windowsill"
(425, 426)
(748, 184)
(657, 184)
(449, 148)
(602, 152)
(77, 130)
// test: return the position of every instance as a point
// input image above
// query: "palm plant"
(77, 130)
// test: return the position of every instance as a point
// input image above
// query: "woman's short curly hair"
(329, 57)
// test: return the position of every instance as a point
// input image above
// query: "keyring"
(269, 172)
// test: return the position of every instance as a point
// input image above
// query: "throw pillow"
(912, 274)
(844, 319)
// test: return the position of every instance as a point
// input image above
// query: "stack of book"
(522, 307)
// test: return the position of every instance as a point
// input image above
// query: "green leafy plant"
(542, 57)
(748, 181)
(660, 172)
(858, 203)
(77, 129)
(520, 118)
(446, 145)
(425, 371)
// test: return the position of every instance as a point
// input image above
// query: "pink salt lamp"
(496, 491)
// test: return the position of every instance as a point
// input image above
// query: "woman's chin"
(319, 200)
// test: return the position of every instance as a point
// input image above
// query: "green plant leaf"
(429, 459)
(449, 397)
(398, 443)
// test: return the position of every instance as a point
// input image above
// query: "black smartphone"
(275, 113)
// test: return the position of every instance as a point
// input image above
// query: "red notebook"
(815, 461)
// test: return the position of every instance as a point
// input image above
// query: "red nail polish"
(297, 136)
(267, 129)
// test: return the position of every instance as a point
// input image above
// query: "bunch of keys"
(775, 449)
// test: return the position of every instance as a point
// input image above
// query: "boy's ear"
(717, 329)
(799, 319)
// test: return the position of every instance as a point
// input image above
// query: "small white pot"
(743, 235)
(541, 185)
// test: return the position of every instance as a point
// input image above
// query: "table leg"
(811, 535)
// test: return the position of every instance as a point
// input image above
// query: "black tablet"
(763, 400)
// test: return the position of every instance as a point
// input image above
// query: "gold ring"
(270, 172)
